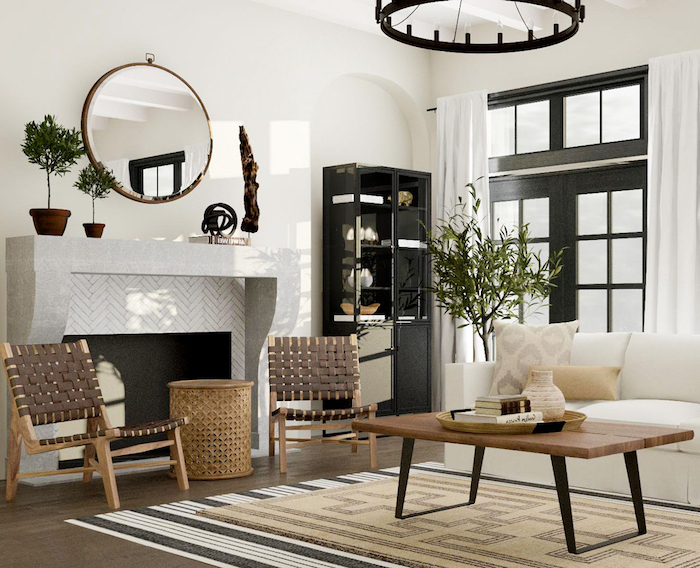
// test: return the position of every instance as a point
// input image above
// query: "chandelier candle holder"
(402, 10)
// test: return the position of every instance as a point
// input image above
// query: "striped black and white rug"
(176, 528)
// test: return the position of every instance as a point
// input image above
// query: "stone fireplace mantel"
(41, 276)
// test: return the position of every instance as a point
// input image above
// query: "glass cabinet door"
(340, 245)
(375, 260)
(412, 270)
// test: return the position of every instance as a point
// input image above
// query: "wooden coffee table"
(592, 440)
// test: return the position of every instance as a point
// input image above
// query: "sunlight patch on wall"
(290, 146)
(226, 157)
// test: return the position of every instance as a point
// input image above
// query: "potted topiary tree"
(55, 150)
(479, 279)
(95, 182)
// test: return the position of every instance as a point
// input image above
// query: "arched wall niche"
(360, 118)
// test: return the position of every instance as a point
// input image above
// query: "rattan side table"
(216, 443)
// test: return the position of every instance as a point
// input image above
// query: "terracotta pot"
(94, 230)
(545, 396)
(50, 221)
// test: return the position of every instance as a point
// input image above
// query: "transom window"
(603, 116)
(579, 120)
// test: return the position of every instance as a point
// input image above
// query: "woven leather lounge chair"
(58, 383)
(316, 368)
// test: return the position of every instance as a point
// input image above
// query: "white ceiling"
(359, 14)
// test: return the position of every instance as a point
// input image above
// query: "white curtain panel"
(196, 157)
(462, 159)
(673, 257)
(120, 170)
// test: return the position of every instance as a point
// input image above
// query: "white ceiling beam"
(628, 4)
(113, 109)
(358, 14)
(152, 98)
(504, 12)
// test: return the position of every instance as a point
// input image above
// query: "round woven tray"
(573, 422)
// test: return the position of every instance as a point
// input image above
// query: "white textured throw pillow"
(520, 346)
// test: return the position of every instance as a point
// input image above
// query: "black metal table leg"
(561, 479)
(406, 454)
(562, 482)
(476, 473)
(636, 490)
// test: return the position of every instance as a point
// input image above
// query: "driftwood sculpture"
(250, 197)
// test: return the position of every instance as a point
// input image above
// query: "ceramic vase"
(370, 236)
(545, 396)
(366, 278)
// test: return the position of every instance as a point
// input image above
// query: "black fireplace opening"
(141, 365)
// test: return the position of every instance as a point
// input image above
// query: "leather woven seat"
(316, 369)
(333, 414)
(58, 383)
(149, 429)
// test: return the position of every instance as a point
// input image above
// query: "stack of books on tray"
(500, 409)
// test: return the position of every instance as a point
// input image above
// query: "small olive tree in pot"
(97, 183)
(479, 279)
(55, 150)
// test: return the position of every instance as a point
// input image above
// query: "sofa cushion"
(669, 413)
(583, 383)
(520, 346)
(691, 446)
(600, 349)
(580, 405)
(664, 367)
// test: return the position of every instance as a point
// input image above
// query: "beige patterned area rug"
(509, 526)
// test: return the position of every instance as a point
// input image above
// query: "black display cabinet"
(376, 275)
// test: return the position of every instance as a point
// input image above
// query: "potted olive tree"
(95, 182)
(480, 279)
(55, 150)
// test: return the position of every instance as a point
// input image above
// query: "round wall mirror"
(150, 128)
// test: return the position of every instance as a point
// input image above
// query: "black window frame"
(136, 168)
(563, 185)
(563, 189)
(555, 93)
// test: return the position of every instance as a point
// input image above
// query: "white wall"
(249, 63)
(611, 38)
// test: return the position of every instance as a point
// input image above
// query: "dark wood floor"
(33, 534)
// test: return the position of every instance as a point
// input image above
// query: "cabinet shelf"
(386, 248)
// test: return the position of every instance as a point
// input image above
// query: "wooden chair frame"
(22, 431)
(278, 417)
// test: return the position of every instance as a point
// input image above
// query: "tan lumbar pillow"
(584, 383)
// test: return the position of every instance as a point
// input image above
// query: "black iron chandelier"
(576, 12)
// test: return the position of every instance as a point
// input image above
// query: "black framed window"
(157, 176)
(580, 120)
(598, 216)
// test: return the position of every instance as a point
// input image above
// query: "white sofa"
(659, 384)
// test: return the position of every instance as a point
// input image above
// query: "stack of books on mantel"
(500, 409)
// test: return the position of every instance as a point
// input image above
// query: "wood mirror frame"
(91, 154)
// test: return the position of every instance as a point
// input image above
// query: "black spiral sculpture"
(218, 218)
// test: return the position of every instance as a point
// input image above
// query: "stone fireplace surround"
(61, 285)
